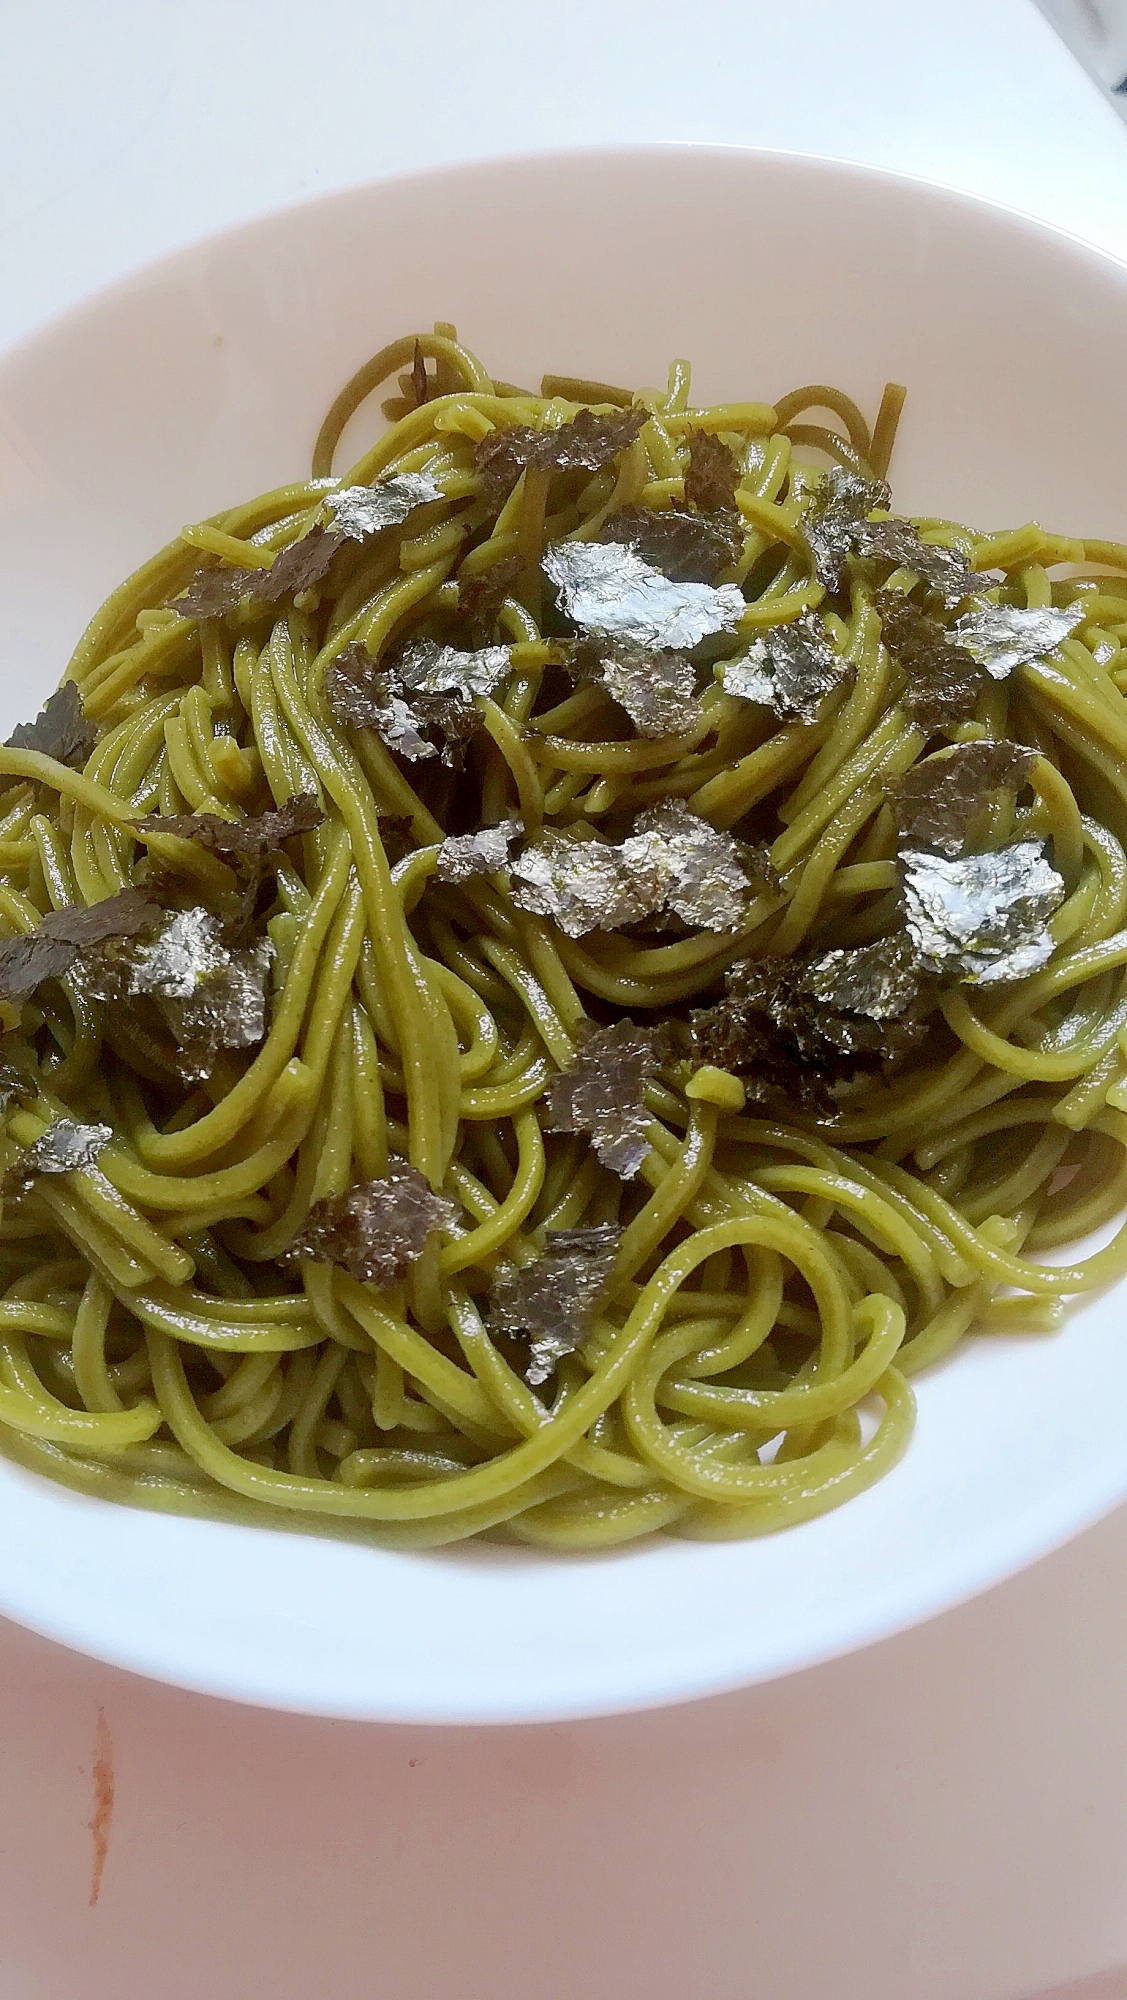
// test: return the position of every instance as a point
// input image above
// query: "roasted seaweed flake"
(876, 982)
(1001, 637)
(463, 855)
(703, 877)
(63, 937)
(946, 570)
(375, 1229)
(362, 695)
(790, 668)
(425, 667)
(361, 511)
(355, 688)
(585, 445)
(713, 473)
(607, 589)
(686, 547)
(672, 862)
(298, 566)
(800, 1027)
(215, 590)
(938, 799)
(66, 1147)
(14, 1082)
(943, 681)
(982, 918)
(481, 596)
(603, 1093)
(254, 837)
(552, 1300)
(60, 730)
(835, 517)
(209, 996)
(586, 885)
(657, 689)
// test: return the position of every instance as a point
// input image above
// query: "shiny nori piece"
(217, 589)
(790, 668)
(712, 475)
(64, 936)
(672, 862)
(897, 541)
(603, 1093)
(255, 836)
(944, 682)
(209, 996)
(797, 1026)
(982, 918)
(552, 1300)
(464, 855)
(362, 695)
(481, 596)
(584, 885)
(585, 445)
(66, 1147)
(1001, 637)
(937, 799)
(60, 730)
(834, 517)
(605, 588)
(361, 511)
(376, 1229)
(686, 547)
(656, 688)
(298, 566)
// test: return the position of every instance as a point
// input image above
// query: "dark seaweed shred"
(585, 445)
(61, 730)
(375, 1229)
(713, 473)
(686, 547)
(938, 800)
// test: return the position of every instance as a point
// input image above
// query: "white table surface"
(942, 1817)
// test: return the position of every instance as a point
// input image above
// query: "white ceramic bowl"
(202, 381)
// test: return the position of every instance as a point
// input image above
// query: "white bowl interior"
(202, 381)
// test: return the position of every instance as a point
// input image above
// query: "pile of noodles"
(779, 1270)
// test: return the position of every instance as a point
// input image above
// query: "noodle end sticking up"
(552, 1300)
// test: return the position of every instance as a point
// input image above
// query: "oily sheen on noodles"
(543, 979)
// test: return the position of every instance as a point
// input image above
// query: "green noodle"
(776, 1283)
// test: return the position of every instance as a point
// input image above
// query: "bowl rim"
(1036, 1530)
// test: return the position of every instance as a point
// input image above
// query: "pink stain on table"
(102, 1815)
